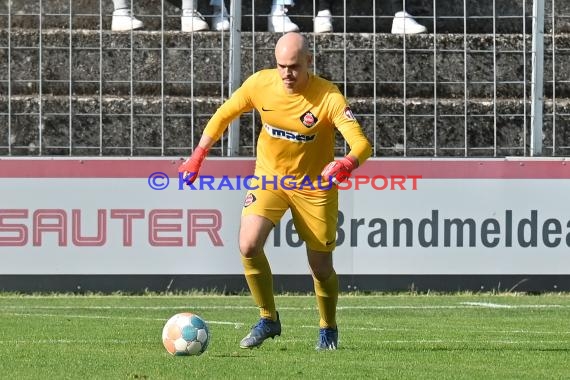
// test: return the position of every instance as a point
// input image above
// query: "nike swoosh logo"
(266, 109)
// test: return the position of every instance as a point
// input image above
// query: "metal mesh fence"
(69, 85)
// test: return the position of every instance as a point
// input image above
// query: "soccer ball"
(185, 334)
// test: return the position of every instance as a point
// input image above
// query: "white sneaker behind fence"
(279, 22)
(404, 23)
(323, 22)
(123, 20)
(192, 21)
(220, 21)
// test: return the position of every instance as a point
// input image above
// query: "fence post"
(537, 77)
(235, 72)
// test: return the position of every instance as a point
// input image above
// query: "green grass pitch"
(407, 336)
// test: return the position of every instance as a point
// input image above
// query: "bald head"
(293, 60)
(292, 43)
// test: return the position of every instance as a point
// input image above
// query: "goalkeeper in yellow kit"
(300, 112)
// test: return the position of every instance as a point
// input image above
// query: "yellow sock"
(260, 281)
(327, 297)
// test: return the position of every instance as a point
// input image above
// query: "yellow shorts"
(315, 213)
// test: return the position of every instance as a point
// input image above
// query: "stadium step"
(373, 63)
(108, 120)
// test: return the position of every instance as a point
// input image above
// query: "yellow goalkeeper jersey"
(298, 133)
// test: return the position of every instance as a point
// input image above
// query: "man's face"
(293, 68)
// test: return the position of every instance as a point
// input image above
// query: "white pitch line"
(92, 307)
(488, 304)
(239, 325)
(236, 324)
(462, 305)
(506, 306)
(78, 341)
(183, 296)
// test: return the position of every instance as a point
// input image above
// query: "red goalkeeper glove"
(191, 167)
(338, 171)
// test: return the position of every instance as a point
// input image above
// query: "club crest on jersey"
(249, 199)
(348, 113)
(308, 119)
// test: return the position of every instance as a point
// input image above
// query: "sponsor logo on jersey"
(348, 113)
(249, 199)
(288, 135)
(308, 119)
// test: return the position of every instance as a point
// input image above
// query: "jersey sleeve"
(348, 126)
(239, 102)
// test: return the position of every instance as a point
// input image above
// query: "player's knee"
(322, 273)
(249, 249)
